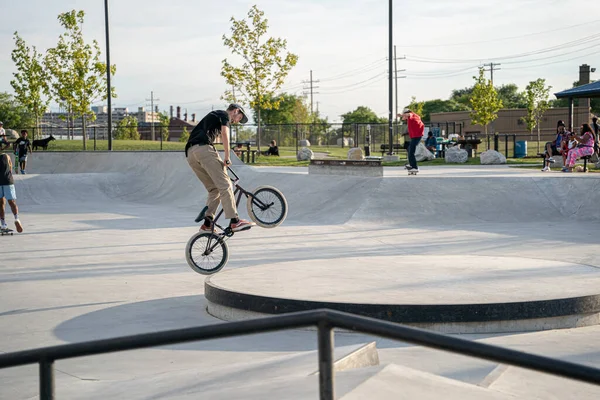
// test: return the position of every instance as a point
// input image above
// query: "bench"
(395, 147)
(247, 152)
(584, 158)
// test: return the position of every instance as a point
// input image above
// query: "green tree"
(438, 106)
(164, 121)
(31, 81)
(537, 103)
(264, 67)
(509, 94)
(484, 102)
(416, 106)
(12, 114)
(362, 115)
(511, 97)
(185, 135)
(127, 129)
(79, 75)
(462, 96)
(291, 110)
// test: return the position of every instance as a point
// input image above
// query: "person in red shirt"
(415, 131)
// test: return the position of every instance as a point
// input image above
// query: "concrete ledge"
(368, 168)
(365, 356)
(448, 294)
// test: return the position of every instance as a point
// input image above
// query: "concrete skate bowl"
(163, 179)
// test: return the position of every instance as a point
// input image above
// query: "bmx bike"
(207, 252)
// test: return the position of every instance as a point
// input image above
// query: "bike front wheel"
(206, 253)
(267, 207)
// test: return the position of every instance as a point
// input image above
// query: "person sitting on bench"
(554, 148)
(273, 149)
(584, 148)
(431, 142)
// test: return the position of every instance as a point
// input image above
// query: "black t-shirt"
(208, 129)
(22, 145)
(6, 177)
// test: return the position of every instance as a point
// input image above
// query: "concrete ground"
(102, 256)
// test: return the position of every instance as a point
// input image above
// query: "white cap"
(406, 110)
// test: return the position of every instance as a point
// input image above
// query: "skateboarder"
(7, 190)
(415, 131)
(203, 158)
(22, 147)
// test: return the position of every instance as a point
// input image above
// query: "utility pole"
(396, 78)
(108, 86)
(390, 77)
(492, 67)
(151, 100)
(312, 87)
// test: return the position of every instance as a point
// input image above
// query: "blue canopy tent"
(580, 92)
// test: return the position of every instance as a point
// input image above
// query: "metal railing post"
(326, 377)
(46, 380)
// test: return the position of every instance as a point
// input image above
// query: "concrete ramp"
(164, 178)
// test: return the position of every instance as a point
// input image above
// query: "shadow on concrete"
(190, 311)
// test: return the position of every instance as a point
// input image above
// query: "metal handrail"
(325, 320)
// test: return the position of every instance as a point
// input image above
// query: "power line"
(502, 39)
(335, 88)
(556, 62)
(578, 42)
(357, 71)
(491, 65)
(363, 84)
(311, 92)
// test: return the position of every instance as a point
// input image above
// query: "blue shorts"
(8, 191)
(23, 158)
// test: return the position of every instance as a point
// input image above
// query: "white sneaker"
(545, 169)
(3, 226)
(551, 160)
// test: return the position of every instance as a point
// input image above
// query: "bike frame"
(237, 194)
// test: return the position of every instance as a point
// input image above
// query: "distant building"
(57, 122)
(509, 120)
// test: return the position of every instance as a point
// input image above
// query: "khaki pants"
(209, 168)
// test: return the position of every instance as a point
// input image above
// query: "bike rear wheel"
(206, 253)
(267, 207)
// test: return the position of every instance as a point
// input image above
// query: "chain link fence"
(290, 136)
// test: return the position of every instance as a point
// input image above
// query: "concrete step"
(293, 376)
(397, 382)
(529, 384)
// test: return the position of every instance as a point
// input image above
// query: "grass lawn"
(287, 158)
(118, 145)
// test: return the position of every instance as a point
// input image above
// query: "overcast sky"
(175, 48)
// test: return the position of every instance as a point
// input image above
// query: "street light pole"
(390, 89)
(108, 88)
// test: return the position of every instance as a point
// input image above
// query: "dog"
(43, 143)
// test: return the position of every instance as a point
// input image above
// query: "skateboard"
(6, 232)
(412, 172)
